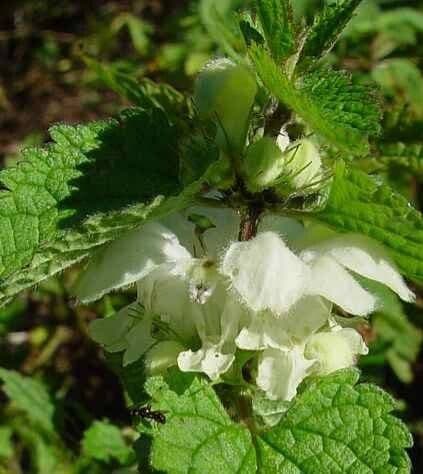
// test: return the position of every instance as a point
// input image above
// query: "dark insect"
(148, 414)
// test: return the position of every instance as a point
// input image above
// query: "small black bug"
(147, 413)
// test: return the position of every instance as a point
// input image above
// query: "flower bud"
(263, 164)
(225, 91)
(335, 350)
(303, 163)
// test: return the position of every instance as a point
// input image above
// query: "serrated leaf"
(198, 436)
(336, 426)
(143, 93)
(403, 155)
(30, 396)
(104, 442)
(276, 21)
(327, 27)
(93, 183)
(329, 102)
(361, 203)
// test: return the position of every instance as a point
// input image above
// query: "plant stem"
(249, 222)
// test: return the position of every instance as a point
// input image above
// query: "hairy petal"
(265, 273)
(129, 259)
(330, 280)
(280, 372)
(209, 359)
(365, 257)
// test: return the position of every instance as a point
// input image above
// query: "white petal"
(264, 331)
(283, 140)
(167, 295)
(265, 273)
(289, 229)
(111, 330)
(139, 340)
(335, 350)
(306, 317)
(331, 280)
(365, 257)
(209, 359)
(227, 224)
(216, 239)
(280, 372)
(129, 259)
(162, 356)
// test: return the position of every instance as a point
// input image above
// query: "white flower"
(272, 295)
(129, 330)
(267, 275)
(281, 371)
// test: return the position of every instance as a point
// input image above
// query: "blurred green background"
(57, 59)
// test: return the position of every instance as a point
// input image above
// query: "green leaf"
(327, 27)
(330, 102)
(408, 156)
(361, 203)
(276, 21)
(399, 339)
(402, 81)
(132, 376)
(143, 93)
(30, 396)
(218, 16)
(46, 457)
(93, 183)
(6, 445)
(104, 442)
(337, 425)
(198, 436)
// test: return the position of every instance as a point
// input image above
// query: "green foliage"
(401, 80)
(30, 396)
(144, 93)
(408, 156)
(6, 446)
(334, 425)
(276, 21)
(218, 16)
(104, 442)
(84, 172)
(329, 102)
(84, 190)
(397, 342)
(360, 203)
(199, 436)
(327, 27)
(94, 182)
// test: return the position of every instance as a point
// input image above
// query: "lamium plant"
(256, 240)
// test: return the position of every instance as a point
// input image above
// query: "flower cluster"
(202, 301)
